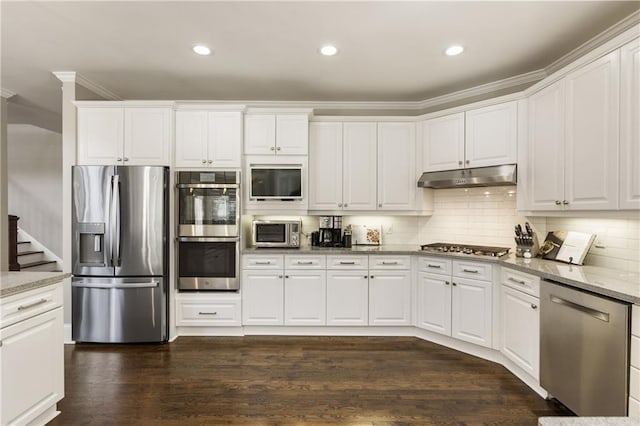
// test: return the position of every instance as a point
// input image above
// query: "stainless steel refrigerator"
(120, 254)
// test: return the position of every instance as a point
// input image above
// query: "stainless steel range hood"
(467, 178)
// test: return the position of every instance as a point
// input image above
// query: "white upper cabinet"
(491, 135)
(396, 166)
(591, 138)
(359, 166)
(325, 166)
(124, 135)
(630, 125)
(546, 147)
(208, 139)
(443, 143)
(276, 134)
(479, 137)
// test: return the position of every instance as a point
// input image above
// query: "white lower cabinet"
(305, 297)
(32, 363)
(389, 297)
(347, 297)
(262, 297)
(452, 304)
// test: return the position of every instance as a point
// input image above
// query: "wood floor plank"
(292, 380)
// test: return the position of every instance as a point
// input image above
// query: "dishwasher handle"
(602, 316)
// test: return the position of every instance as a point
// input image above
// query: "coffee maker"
(330, 232)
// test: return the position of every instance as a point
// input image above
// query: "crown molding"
(6, 93)
(594, 42)
(74, 77)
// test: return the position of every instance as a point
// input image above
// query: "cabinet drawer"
(635, 320)
(347, 262)
(474, 270)
(262, 261)
(304, 262)
(434, 265)
(520, 281)
(389, 262)
(635, 351)
(207, 312)
(29, 304)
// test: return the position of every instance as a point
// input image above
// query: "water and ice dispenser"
(91, 251)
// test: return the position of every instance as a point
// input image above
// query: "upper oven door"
(208, 210)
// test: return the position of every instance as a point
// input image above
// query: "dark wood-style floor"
(285, 380)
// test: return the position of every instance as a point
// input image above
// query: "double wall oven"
(208, 230)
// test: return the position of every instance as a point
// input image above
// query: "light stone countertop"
(621, 285)
(588, 421)
(17, 282)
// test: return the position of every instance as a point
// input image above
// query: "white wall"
(35, 182)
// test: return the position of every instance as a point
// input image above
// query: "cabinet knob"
(565, 202)
(459, 163)
(534, 306)
(380, 205)
(345, 204)
(278, 148)
(371, 276)
(467, 161)
(558, 202)
(204, 161)
(119, 159)
(286, 276)
(446, 282)
(272, 148)
(210, 161)
(453, 283)
(126, 159)
(279, 276)
(339, 204)
(365, 277)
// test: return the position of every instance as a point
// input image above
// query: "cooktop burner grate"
(466, 249)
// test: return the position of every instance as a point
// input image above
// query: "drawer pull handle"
(263, 263)
(471, 271)
(31, 305)
(389, 263)
(207, 313)
(347, 263)
(305, 263)
(513, 280)
(433, 266)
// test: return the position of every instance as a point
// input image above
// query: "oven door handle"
(207, 185)
(208, 239)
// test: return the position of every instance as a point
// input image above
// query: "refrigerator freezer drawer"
(119, 310)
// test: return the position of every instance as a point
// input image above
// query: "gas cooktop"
(465, 249)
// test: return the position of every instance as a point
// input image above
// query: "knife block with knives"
(526, 241)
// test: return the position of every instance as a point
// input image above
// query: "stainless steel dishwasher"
(584, 350)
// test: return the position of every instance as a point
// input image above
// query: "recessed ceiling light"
(328, 50)
(454, 50)
(201, 49)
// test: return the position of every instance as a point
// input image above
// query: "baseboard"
(68, 339)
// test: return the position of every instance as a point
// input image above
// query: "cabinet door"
(434, 303)
(32, 362)
(259, 134)
(443, 143)
(471, 311)
(305, 297)
(520, 325)
(591, 145)
(630, 126)
(325, 166)
(396, 166)
(359, 173)
(262, 297)
(100, 135)
(191, 139)
(147, 136)
(545, 158)
(292, 134)
(390, 298)
(347, 298)
(491, 135)
(225, 139)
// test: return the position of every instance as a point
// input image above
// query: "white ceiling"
(389, 50)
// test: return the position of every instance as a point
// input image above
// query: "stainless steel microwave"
(276, 233)
(275, 182)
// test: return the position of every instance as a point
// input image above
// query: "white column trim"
(72, 76)
(5, 93)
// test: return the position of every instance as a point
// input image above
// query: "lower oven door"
(208, 263)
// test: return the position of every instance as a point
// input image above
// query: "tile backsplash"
(487, 216)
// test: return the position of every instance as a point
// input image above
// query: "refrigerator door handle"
(109, 210)
(151, 284)
(115, 211)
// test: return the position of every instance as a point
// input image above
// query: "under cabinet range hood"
(467, 178)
